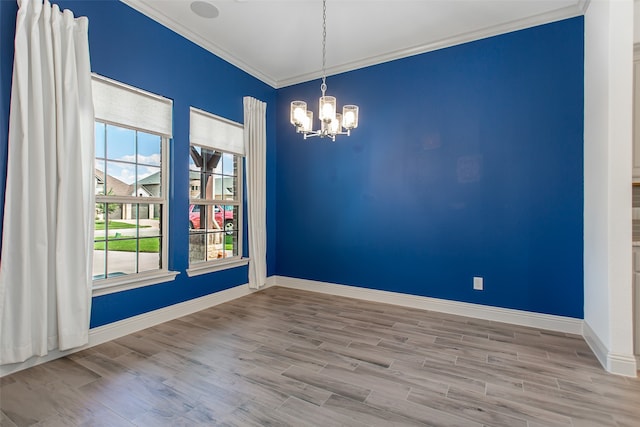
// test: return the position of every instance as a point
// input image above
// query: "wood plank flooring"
(295, 358)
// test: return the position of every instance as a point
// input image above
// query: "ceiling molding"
(574, 10)
(520, 24)
(584, 5)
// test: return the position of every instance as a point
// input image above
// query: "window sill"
(132, 281)
(214, 266)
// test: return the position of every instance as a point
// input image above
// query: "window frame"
(204, 267)
(109, 285)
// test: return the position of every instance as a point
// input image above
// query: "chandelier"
(332, 123)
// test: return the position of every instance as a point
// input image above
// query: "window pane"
(195, 157)
(197, 217)
(121, 256)
(194, 173)
(230, 218)
(204, 185)
(149, 149)
(100, 143)
(209, 160)
(215, 212)
(215, 164)
(149, 182)
(129, 241)
(194, 187)
(120, 178)
(149, 256)
(157, 213)
(229, 166)
(99, 260)
(149, 220)
(197, 247)
(100, 227)
(99, 236)
(219, 189)
(121, 144)
(231, 244)
(215, 245)
(228, 188)
(99, 176)
(115, 211)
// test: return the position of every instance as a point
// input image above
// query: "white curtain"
(45, 266)
(255, 148)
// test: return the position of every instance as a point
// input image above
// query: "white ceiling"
(280, 41)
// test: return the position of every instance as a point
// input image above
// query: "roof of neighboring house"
(151, 179)
(115, 185)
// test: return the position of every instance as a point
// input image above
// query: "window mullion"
(128, 199)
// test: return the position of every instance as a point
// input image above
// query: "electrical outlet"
(478, 284)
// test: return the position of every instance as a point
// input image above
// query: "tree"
(111, 207)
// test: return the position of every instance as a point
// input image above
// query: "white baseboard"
(118, 329)
(620, 364)
(505, 315)
(597, 346)
(614, 363)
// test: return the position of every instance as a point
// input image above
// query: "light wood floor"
(288, 357)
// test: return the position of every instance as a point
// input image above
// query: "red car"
(226, 221)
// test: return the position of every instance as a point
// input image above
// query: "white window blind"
(209, 130)
(117, 103)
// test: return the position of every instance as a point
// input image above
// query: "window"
(215, 193)
(132, 133)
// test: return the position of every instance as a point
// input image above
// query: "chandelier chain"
(323, 87)
(333, 123)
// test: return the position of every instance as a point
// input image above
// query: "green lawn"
(146, 245)
(113, 225)
(228, 243)
(129, 245)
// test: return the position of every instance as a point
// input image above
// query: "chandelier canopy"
(332, 123)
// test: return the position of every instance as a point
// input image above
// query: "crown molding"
(583, 5)
(520, 24)
(578, 9)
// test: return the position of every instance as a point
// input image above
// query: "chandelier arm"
(332, 121)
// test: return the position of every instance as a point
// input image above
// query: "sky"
(122, 151)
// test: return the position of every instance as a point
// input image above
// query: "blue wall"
(131, 48)
(468, 162)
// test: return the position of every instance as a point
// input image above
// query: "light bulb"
(308, 127)
(298, 111)
(327, 108)
(350, 114)
(334, 126)
(327, 111)
(349, 118)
